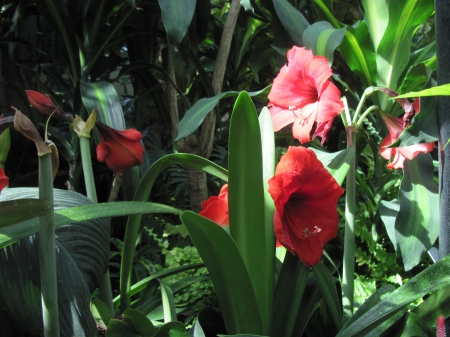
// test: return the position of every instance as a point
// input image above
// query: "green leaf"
(377, 19)
(177, 16)
(438, 302)
(133, 324)
(337, 163)
(142, 194)
(247, 4)
(393, 51)
(82, 213)
(195, 115)
(322, 38)
(228, 272)
(288, 295)
(327, 285)
(417, 223)
(101, 313)
(172, 329)
(14, 211)
(246, 199)
(103, 96)
(82, 252)
(388, 212)
(293, 21)
(440, 90)
(358, 52)
(434, 277)
(170, 314)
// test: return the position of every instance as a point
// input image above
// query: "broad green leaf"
(288, 295)
(228, 272)
(132, 323)
(394, 49)
(142, 194)
(358, 53)
(247, 4)
(388, 212)
(337, 163)
(243, 40)
(14, 211)
(322, 38)
(417, 223)
(246, 199)
(310, 299)
(211, 320)
(195, 115)
(177, 16)
(293, 21)
(433, 278)
(377, 18)
(327, 285)
(82, 213)
(82, 253)
(172, 329)
(103, 96)
(414, 326)
(415, 78)
(440, 90)
(101, 313)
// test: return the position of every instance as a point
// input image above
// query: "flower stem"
(369, 91)
(105, 291)
(365, 114)
(349, 234)
(47, 255)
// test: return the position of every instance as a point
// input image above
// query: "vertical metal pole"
(442, 8)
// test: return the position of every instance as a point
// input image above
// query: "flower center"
(306, 232)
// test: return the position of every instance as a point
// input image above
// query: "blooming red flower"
(45, 105)
(302, 95)
(397, 155)
(440, 327)
(305, 196)
(4, 180)
(119, 149)
(216, 208)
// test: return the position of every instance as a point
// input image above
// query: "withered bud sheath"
(82, 128)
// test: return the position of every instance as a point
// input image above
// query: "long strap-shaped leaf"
(246, 200)
(228, 272)
(142, 194)
(434, 277)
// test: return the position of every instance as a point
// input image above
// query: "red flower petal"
(305, 196)
(302, 94)
(4, 180)
(119, 149)
(398, 155)
(216, 208)
(440, 327)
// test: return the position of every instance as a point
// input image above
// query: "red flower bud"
(45, 105)
(216, 208)
(119, 149)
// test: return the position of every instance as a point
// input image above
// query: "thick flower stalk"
(119, 149)
(398, 155)
(215, 208)
(303, 96)
(4, 180)
(305, 196)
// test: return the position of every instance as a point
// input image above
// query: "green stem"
(47, 255)
(365, 114)
(369, 91)
(105, 291)
(349, 235)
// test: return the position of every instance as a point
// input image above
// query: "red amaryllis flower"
(302, 95)
(397, 155)
(216, 208)
(45, 105)
(305, 196)
(119, 149)
(4, 180)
